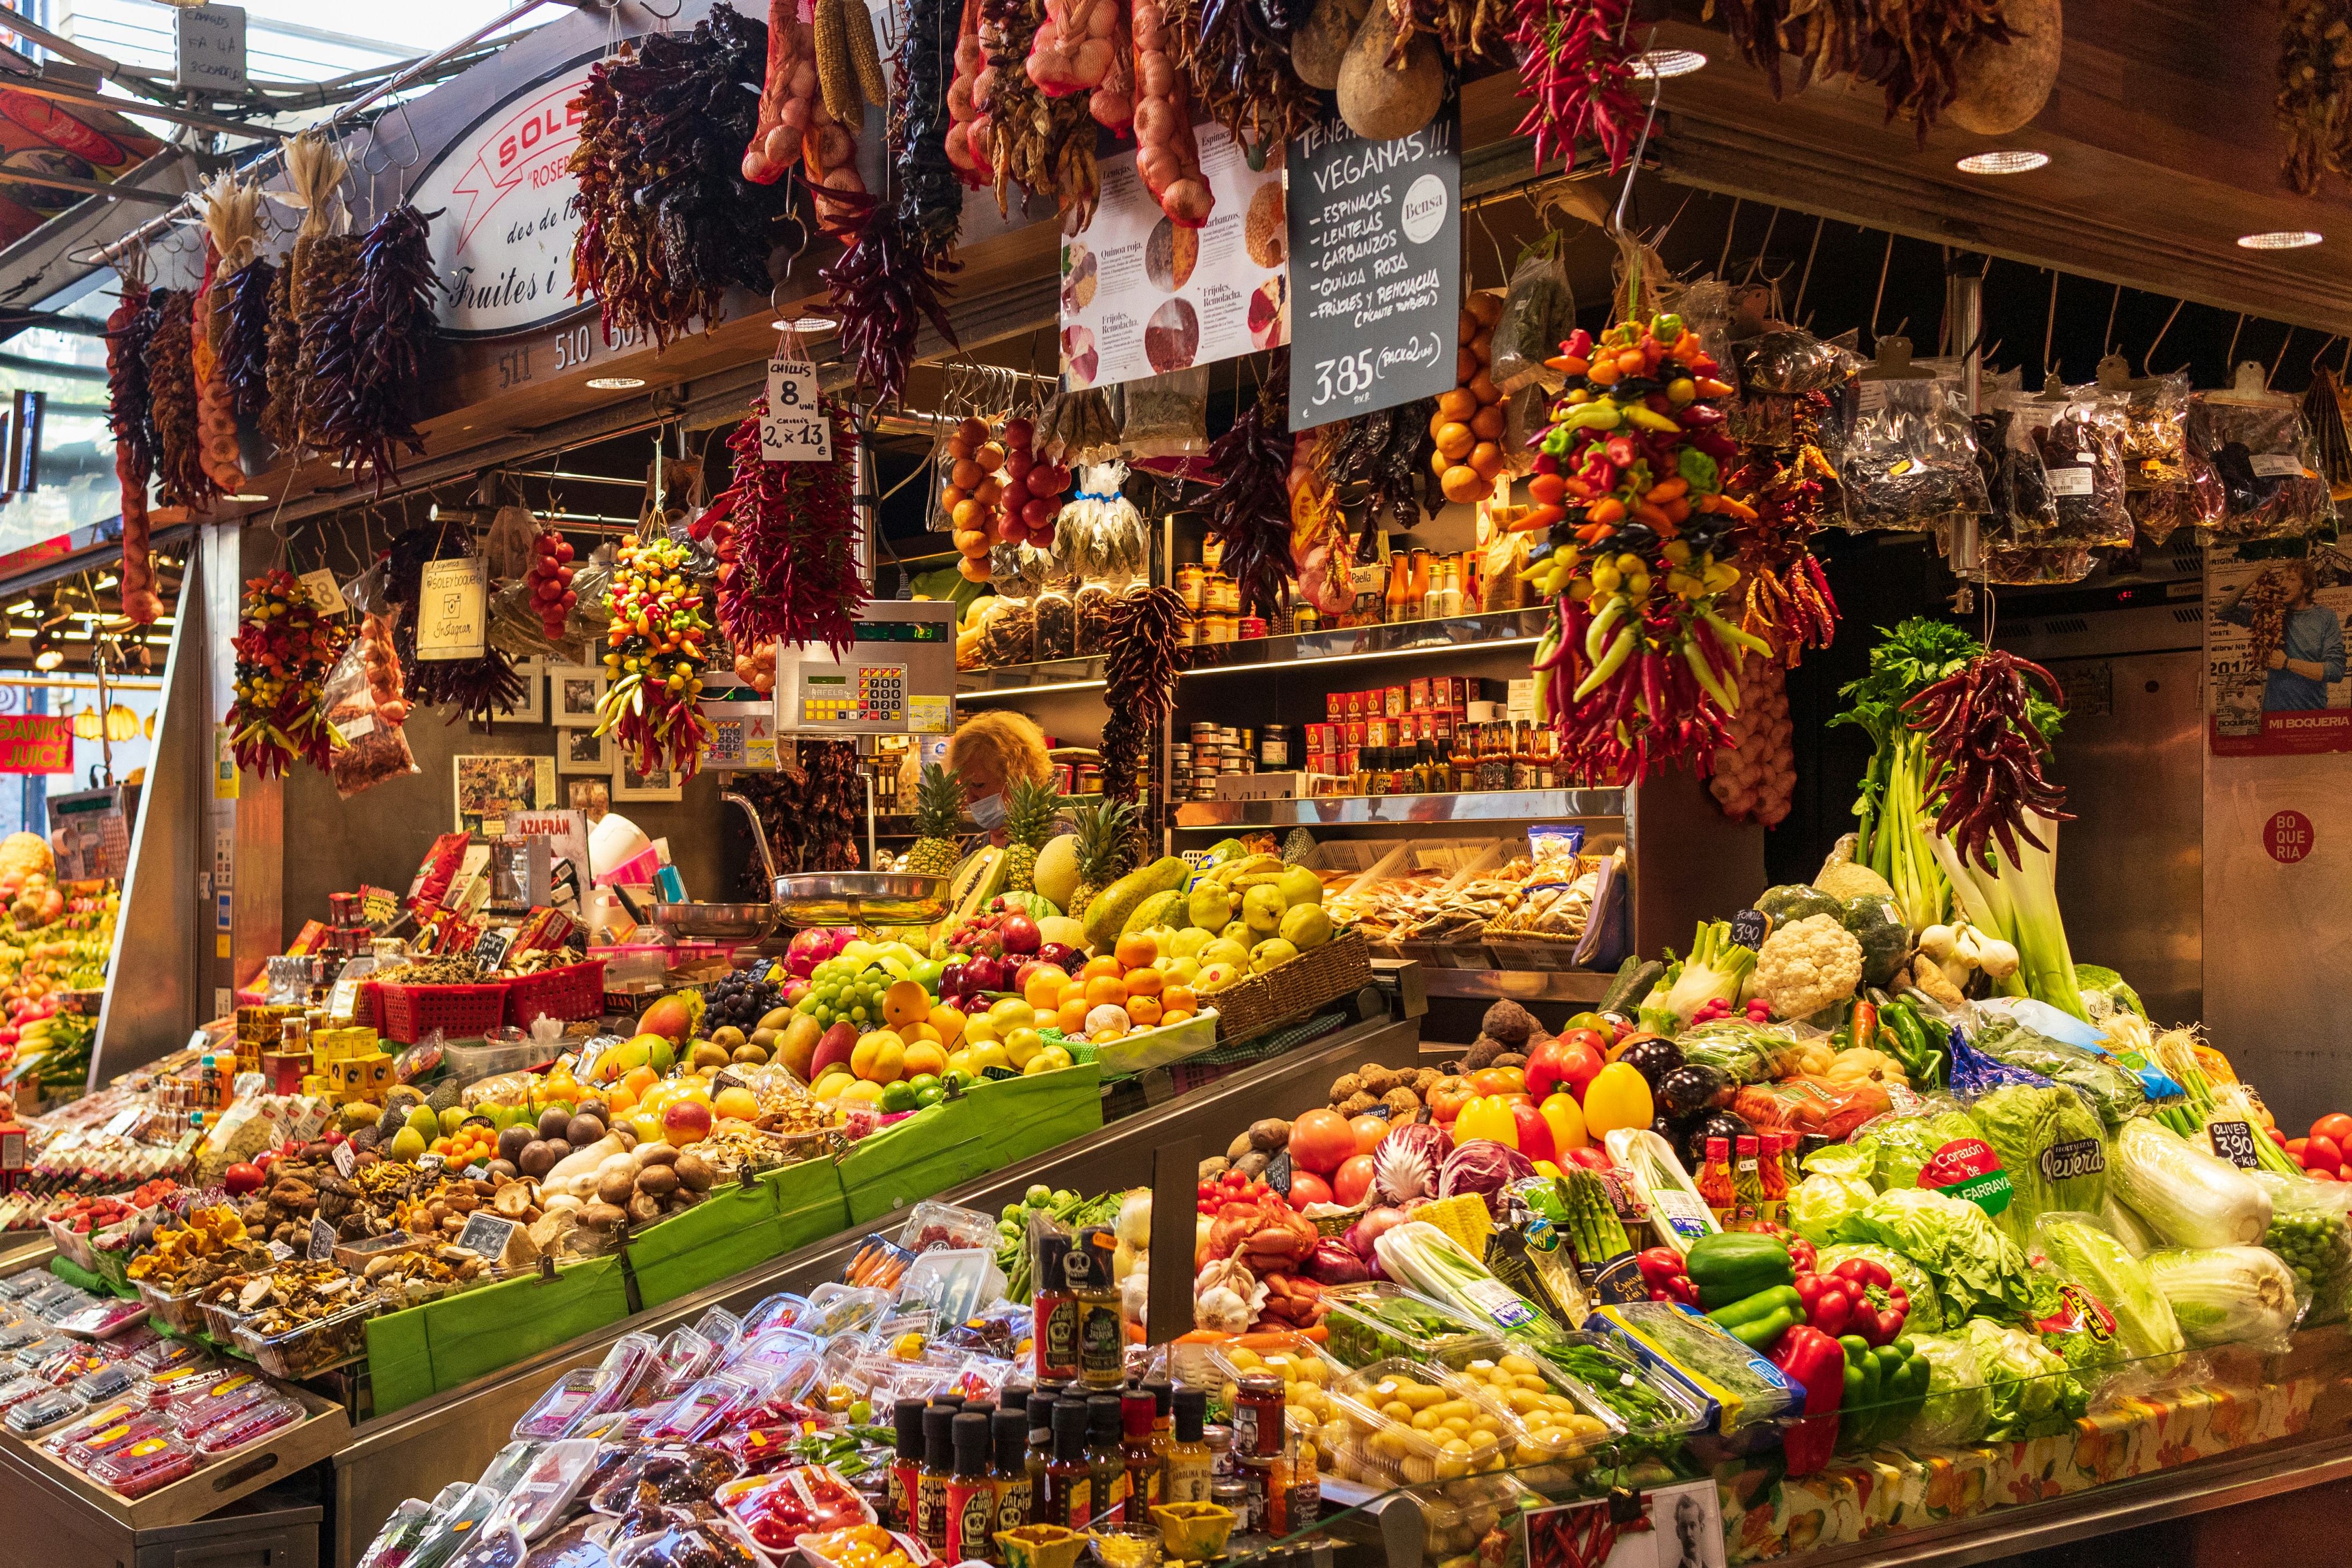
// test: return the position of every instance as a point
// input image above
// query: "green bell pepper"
(1730, 1266)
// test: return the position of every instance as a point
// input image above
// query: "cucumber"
(1635, 978)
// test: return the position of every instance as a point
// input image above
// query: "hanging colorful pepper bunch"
(1630, 480)
(786, 537)
(284, 650)
(1787, 603)
(655, 651)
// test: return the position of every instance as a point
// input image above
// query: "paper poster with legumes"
(2276, 680)
(1142, 296)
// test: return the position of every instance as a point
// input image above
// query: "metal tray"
(861, 898)
(715, 921)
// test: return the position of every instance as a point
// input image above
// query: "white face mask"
(989, 811)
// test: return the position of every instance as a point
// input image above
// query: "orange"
(1144, 1011)
(1105, 1036)
(1177, 999)
(1144, 982)
(1136, 951)
(1072, 991)
(1071, 1018)
(905, 1002)
(1106, 989)
(1106, 965)
(622, 1099)
(1173, 1017)
(949, 1022)
(637, 1079)
(922, 1056)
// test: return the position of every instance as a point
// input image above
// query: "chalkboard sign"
(323, 1241)
(2234, 1142)
(486, 1234)
(1375, 268)
(1749, 927)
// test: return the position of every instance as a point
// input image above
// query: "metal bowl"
(730, 923)
(861, 898)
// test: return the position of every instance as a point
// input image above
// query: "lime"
(929, 1093)
(922, 1081)
(899, 1096)
(955, 1078)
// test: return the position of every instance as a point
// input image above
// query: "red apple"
(686, 1122)
(1058, 954)
(1020, 934)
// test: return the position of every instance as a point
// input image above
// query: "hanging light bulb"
(149, 727)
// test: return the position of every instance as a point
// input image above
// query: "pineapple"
(1104, 829)
(939, 809)
(1029, 815)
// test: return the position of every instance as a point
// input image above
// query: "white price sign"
(794, 428)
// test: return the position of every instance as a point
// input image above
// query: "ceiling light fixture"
(248, 496)
(2280, 239)
(2004, 160)
(616, 383)
(49, 659)
(806, 326)
(1664, 63)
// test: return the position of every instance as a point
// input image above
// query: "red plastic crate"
(573, 991)
(460, 1012)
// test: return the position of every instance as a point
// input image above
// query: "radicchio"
(1335, 1263)
(1405, 1163)
(1483, 1166)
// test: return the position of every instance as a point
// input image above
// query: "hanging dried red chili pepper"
(171, 403)
(373, 337)
(1786, 601)
(883, 292)
(1980, 725)
(786, 534)
(1249, 509)
(1147, 625)
(1578, 67)
(284, 650)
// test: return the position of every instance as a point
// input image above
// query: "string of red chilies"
(1578, 68)
(786, 536)
(1600, 740)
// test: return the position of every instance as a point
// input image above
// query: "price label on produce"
(2234, 1142)
(346, 1161)
(795, 429)
(1749, 927)
(323, 1239)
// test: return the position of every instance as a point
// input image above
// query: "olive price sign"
(793, 428)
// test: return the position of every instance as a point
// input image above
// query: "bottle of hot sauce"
(1010, 1475)
(1057, 1312)
(1065, 1493)
(970, 1493)
(1139, 1456)
(906, 1466)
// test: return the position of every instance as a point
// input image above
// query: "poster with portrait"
(2276, 680)
(1144, 295)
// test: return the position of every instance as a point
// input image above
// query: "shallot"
(1167, 158)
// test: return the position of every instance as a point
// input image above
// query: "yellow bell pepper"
(1565, 1117)
(1487, 1116)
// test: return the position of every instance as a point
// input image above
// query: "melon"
(24, 854)
(1056, 876)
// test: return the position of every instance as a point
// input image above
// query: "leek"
(2017, 900)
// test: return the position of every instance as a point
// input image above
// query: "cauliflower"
(1806, 965)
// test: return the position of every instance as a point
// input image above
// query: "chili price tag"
(793, 429)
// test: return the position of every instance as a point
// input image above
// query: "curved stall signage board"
(503, 243)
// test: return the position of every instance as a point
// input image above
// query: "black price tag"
(1749, 927)
(486, 1235)
(1375, 268)
(1278, 1173)
(323, 1241)
(1619, 1281)
(2234, 1142)
(346, 1161)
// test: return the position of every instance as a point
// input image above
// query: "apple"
(1020, 934)
(985, 971)
(686, 1122)
(1058, 954)
(978, 1002)
(955, 980)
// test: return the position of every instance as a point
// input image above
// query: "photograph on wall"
(628, 784)
(491, 788)
(593, 797)
(531, 706)
(2276, 680)
(583, 751)
(573, 691)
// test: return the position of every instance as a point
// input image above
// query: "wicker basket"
(1340, 967)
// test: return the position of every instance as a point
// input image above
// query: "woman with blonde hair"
(991, 751)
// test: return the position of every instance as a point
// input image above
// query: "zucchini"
(1635, 978)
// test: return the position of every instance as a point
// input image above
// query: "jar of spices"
(1253, 626)
(1191, 586)
(1274, 746)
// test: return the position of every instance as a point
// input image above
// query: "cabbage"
(1483, 1166)
(2124, 1223)
(1927, 1314)
(2188, 1196)
(2033, 1393)
(1976, 1268)
(2228, 1295)
(1959, 1410)
(1903, 1143)
(2087, 1254)
(2050, 1143)
(1818, 1205)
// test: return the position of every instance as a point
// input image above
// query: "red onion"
(1336, 1262)
(1375, 1224)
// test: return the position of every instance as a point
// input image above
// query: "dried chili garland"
(1237, 58)
(172, 426)
(283, 651)
(127, 414)
(281, 415)
(1146, 627)
(1910, 50)
(1382, 465)
(668, 222)
(1980, 725)
(808, 807)
(1249, 509)
(470, 687)
(2314, 106)
(654, 651)
(930, 198)
(787, 535)
(883, 290)
(245, 352)
(373, 337)
(1578, 67)
(1786, 601)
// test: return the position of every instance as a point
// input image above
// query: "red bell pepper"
(1533, 1132)
(1829, 1304)
(1878, 1306)
(1816, 1363)
(1663, 1272)
(1592, 1157)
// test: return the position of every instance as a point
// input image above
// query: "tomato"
(1447, 1098)
(1306, 1187)
(1369, 1130)
(1500, 1081)
(1353, 1180)
(1321, 1141)
(2322, 1175)
(2276, 1137)
(2322, 1152)
(2294, 1147)
(2334, 1126)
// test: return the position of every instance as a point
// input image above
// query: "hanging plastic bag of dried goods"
(1778, 366)
(1167, 416)
(1910, 462)
(368, 592)
(2080, 439)
(1539, 312)
(374, 749)
(2263, 460)
(507, 546)
(2165, 480)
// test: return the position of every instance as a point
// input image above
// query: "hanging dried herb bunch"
(1147, 626)
(884, 288)
(1910, 50)
(470, 687)
(372, 338)
(172, 401)
(1383, 466)
(787, 535)
(2315, 94)
(668, 222)
(127, 413)
(930, 198)
(1237, 60)
(323, 261)
(1249, 508)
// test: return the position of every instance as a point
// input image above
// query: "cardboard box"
(1416, 692)
(1392, 702)
(1335, 705)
